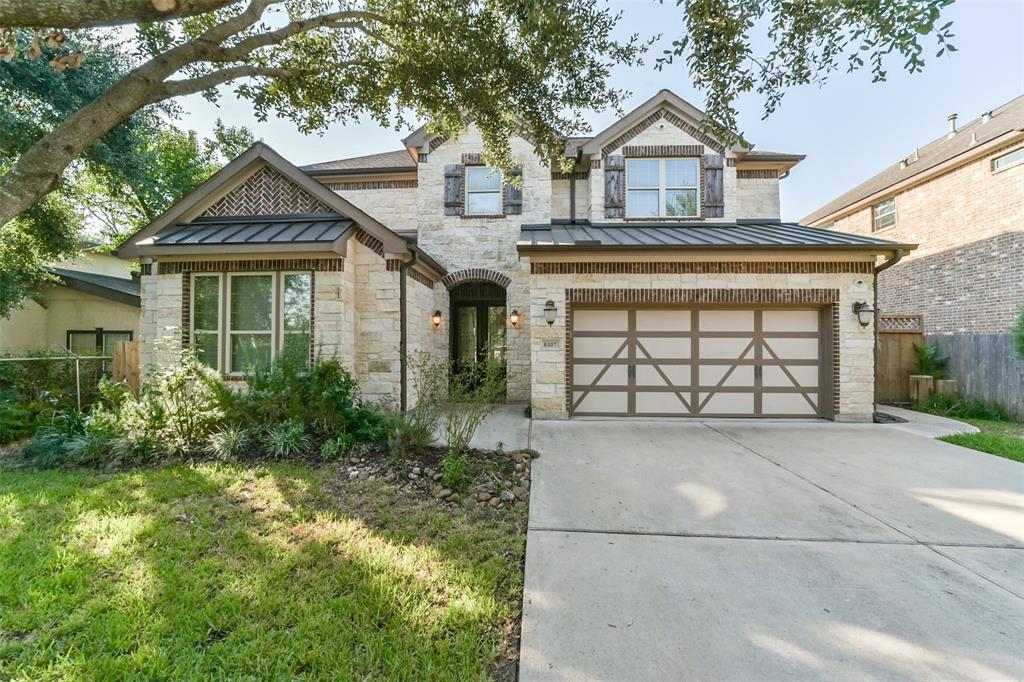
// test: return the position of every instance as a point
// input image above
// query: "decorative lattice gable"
(267, 192)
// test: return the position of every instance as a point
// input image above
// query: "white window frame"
(500, 191)
(663, 188)
(220, 314)
(874, 217)
(229, 332)
(1012, 164)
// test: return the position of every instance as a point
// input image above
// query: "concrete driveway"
(770, 551)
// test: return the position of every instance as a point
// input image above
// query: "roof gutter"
(577, 248)
(897, 256)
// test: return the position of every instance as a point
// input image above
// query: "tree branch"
(189, 86)
(70, 14)
(335, 20)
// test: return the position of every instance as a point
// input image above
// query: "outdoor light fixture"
(549, 312)
(864, 312)
(436, 319)
(514, 318)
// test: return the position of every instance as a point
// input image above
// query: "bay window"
(241, 321)
(657, 188)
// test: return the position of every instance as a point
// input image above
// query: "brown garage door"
(728, 362)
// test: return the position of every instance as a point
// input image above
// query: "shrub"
(64, 440)
(931, 360)
(228, 443)
(286, 439)
(453, 470)
(336, 447)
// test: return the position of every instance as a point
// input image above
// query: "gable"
(670, 117)
(266, 192)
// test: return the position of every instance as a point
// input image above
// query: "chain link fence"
(58, 377)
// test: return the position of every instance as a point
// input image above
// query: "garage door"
(661, 362)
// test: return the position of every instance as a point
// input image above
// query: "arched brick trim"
(476, 275)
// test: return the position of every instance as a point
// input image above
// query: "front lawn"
(276, 571)
(997, 437)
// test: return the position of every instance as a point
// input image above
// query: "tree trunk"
(78, 14)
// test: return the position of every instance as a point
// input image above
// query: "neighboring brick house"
(655, 279)
(961, 197)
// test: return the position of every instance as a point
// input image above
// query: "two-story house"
(961, 197)
(656, 279)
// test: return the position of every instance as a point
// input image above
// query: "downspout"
(897, 256)
(572, 186)
(403, 332)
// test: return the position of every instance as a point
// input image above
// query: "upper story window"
(1006, 160)
(483, 190)
(662, 188)
(883, 214)
(240, 321)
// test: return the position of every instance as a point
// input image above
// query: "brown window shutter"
(512, 201)
(714, 190)
(454, 192)
(615, 186)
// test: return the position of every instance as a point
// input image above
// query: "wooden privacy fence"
(126, 364)
(897, 335)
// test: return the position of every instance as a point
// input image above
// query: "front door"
(478, 329)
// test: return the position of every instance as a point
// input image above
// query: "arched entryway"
(479, 317)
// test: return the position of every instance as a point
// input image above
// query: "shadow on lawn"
(219, 571)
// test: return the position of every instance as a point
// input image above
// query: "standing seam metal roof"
(289, 229)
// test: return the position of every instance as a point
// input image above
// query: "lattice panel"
(904, 324)
(267, 192)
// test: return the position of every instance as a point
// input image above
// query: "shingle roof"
(290, 229)
(703, 235)
(118, 289)
(1005, 119)
(385, 161)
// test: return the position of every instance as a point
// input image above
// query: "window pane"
(496, 332)
(110, 338)
(884, 214)
(207, 347)
(642, 172)
(483, 203)
(482, 178)
(83, 343)
(296, 345)
(681, 202)
(206, 303)
(251, 297)
(250, 351)
(642, 202)
(1009, 159)
(681, 172)
(297, 290)
(466, 351)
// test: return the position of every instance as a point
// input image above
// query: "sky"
(849, 129)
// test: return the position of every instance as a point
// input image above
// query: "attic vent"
(952, 124)
(986, 117)
(903, 164)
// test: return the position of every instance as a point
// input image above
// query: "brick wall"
(966, 275)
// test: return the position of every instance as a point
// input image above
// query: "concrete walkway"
(772, 551)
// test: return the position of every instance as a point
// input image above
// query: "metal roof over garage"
(275, 229)
(742, 234)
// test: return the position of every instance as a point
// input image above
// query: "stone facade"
(758, 197)
(855, 375)
(965, 276)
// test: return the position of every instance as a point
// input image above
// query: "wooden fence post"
(126, 364)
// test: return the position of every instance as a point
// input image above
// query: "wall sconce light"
(549, 312)
(435, 319)
(514, 318)
(864, 312)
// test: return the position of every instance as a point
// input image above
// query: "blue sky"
(849, 129)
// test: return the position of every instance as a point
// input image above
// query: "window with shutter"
(513, 199)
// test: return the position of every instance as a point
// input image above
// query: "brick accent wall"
(660, 150)
(966, 275)
(371, 184)
(267, 192)
(251, 265)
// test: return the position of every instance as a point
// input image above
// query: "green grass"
(997, 437)
(233, 571)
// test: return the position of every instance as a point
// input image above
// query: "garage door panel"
(601, 402)
(586, 320)
(805, 376)
(738, 375)
(597, 347)
(789, 321)
(648, 375)
(789, 403)
(660, 403)
(610, 375)
(678, 349)
(663, 320)
(727, 404)
(792, 349)
(728, 349)
(726, 320)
